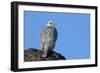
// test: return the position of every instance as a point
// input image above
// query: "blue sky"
(73, 32)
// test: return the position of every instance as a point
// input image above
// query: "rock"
(32, 54)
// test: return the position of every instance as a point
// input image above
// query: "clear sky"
(73, 32)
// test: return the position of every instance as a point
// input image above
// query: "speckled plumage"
(48, 39)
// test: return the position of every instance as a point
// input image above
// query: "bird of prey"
(48, 38)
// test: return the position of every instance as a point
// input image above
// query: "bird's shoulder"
(45, 29)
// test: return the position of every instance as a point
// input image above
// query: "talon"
(43, 55)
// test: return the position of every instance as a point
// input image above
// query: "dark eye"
(50, 22)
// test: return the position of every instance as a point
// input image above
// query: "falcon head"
(50, 24)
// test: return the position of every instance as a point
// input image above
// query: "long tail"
(44, 53)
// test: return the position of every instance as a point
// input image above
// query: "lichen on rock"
(32, 54)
